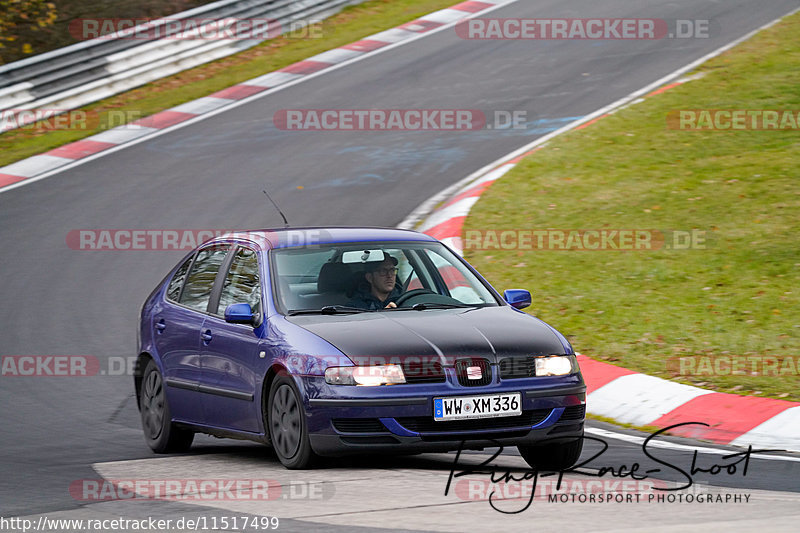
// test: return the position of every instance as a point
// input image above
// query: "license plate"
(484, 406)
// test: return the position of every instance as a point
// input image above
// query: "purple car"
(331, 341)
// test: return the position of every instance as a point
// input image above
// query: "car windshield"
(351, 278)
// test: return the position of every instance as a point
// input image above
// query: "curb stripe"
(201, 105)
(778, 432)
(664, 88)
(450, 228)
(122, 134)
(8, 179)
(729, 415)
(163, 119)
(587, 124)
(458, 209)
(365, 45)
(237, 92)
(598, 374)
(477, 190)
(420, 25)
(471, 7)
(640, 399)
(35, 165)
(80, 149)
(305, 67)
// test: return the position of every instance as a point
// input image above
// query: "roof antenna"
(286, 224)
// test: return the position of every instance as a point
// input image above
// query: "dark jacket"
(364, 299)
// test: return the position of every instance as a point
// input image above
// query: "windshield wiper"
(327, 310)
(422, 306)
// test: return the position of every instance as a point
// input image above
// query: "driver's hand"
(390, 305)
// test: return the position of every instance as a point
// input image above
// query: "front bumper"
(342, 425)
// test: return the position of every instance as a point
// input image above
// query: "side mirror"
(517, 298)
(239, 314)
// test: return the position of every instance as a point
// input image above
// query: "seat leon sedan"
(333, 341)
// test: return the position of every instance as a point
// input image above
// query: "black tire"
(159, 432)
(552, 456)
(285, 419)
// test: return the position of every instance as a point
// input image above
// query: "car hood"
(447, 334)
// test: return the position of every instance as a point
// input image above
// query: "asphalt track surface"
(60, 301)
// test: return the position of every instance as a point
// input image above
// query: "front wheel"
(552, 456)
(288, 429)
(160, 433)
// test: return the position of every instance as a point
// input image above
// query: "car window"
(308, 279)
(176, 283)
(455, 277)
(299, 273)
(200, 280)
(242, 283)
(410, 270)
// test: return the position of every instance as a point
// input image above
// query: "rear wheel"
(160, 433)
(288, 430)
(552, 456)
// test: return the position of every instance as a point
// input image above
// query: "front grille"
(359, 425)
(462, 367)
(574, 412)
(424, 372)
(426, 424)
(517, 367)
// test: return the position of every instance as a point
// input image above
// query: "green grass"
(352, 24)
(738, 296)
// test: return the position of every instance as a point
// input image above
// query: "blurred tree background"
(30, 27)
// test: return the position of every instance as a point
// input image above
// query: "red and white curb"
(638, 399)
(612, 391)
(17, 174)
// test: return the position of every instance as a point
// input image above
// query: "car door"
(230, 353)
(178, 322)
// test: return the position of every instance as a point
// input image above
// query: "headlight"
(365, 375)
(555, 365)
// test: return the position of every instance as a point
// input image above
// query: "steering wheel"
(412, 294)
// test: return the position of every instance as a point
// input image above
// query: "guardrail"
(76, 75)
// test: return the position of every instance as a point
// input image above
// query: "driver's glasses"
(386, 271)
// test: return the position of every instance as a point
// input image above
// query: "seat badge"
(474, 372)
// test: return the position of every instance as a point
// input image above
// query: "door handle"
(206, 336)
(161, 326)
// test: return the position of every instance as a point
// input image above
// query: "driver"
(380, 290)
